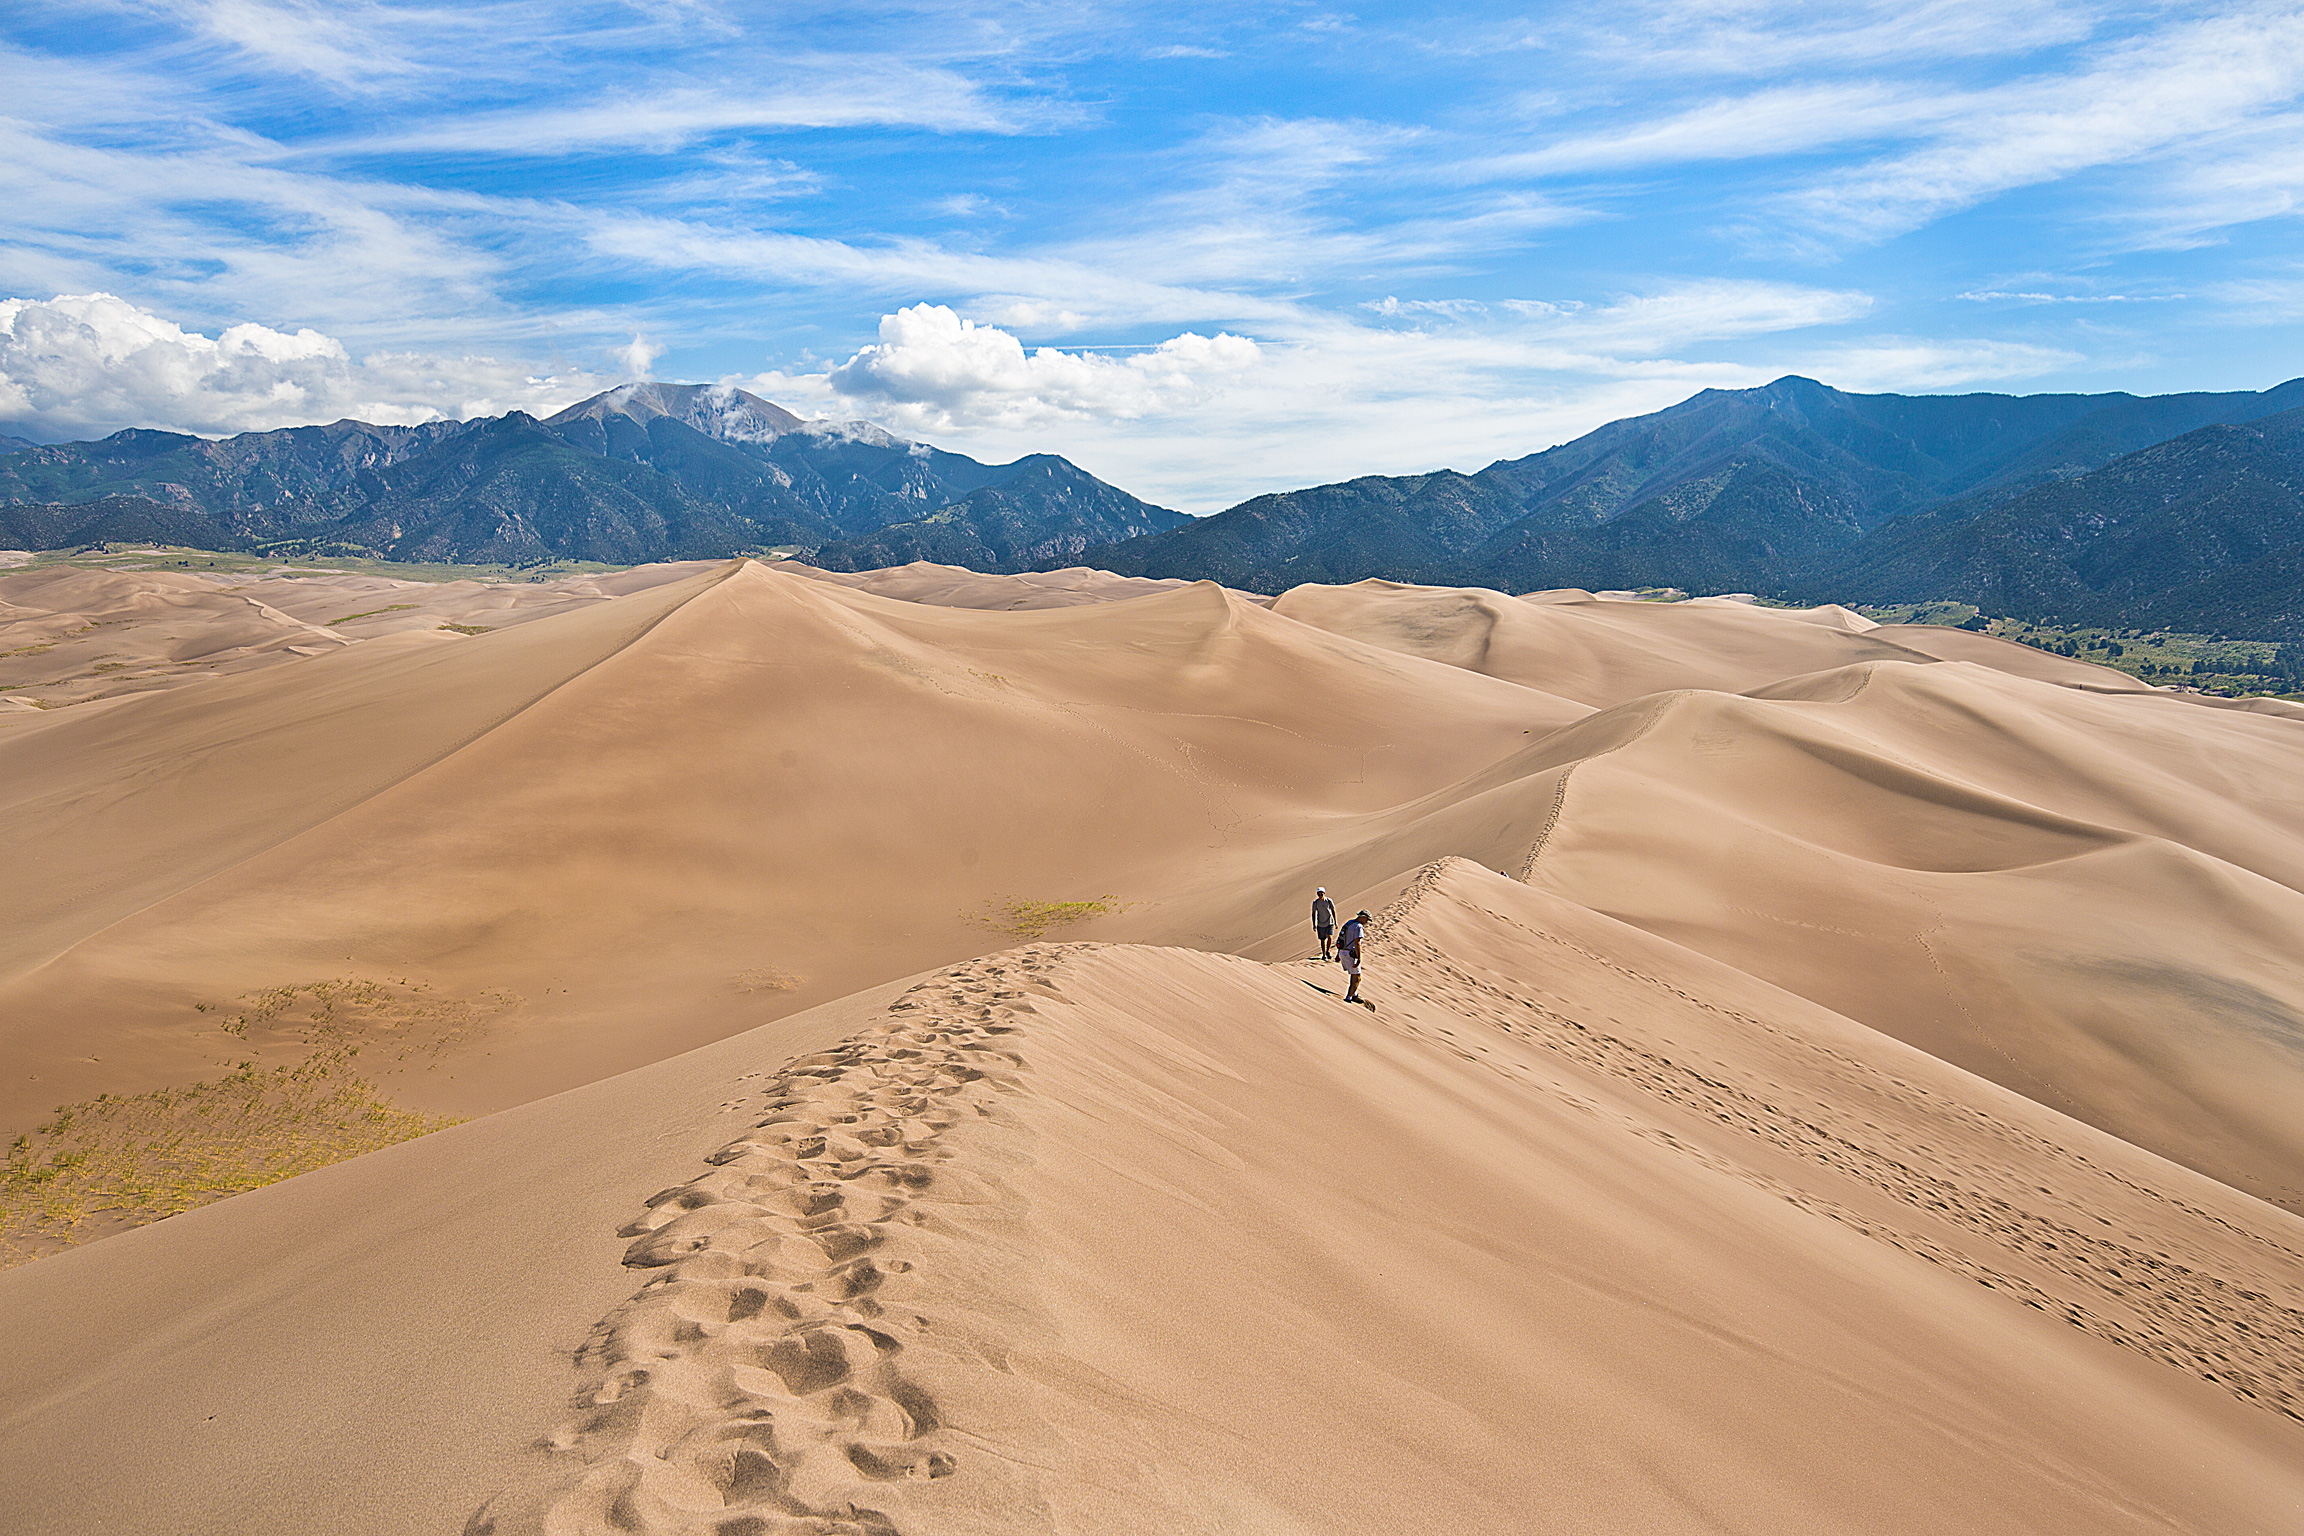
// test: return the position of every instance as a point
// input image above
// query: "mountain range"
(1798, 489)
(2179, 511)
(643, 472)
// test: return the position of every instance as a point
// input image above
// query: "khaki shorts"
(1351, 964)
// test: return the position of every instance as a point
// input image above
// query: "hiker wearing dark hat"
(1323, 918)
(1348, 954)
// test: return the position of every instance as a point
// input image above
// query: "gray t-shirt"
(1323, 912)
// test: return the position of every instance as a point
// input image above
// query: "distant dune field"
(1819, 1076)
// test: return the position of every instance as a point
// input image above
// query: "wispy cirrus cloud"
(346, 45)
(1726, 38)
(818, 93)
(1905, 363)
(2185, 86)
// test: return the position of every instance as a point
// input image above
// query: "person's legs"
(1327, 942)
(1352, 984)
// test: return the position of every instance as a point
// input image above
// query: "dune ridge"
(848, 1323)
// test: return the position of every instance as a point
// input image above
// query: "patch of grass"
(371, 613)
(110, 666)
(471, 629)
(121, 1160)
(29, 650)
(767, 978)
(127, 1159)
(1946, 614)
(1029, 920)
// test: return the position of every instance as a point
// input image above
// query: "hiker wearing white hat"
(1323, 919)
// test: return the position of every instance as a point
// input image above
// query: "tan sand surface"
(1821, 1077)
(69, 634)
(1598, 651)
(1576, 1230)
(952, 586)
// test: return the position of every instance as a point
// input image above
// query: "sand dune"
(1577, 1228)
(1598, 651)
(742, 775)
(951, 586)
(1821, 1076)
(2091, 900)
(70, 634)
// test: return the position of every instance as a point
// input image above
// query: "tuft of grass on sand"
(371, 613)
(122, 1160)
(767, 978)
(1033, 919)
(470, 629)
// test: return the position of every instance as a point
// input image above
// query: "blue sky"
(1204, 251)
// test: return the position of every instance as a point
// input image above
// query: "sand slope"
(952, 586)
(1598, 651)
(2090, 899)
(1578, 1230)
(69, 634)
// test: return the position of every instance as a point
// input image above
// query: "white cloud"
(1909, 363)
(83, 365)
(1780, 121)
(811, 93)
(343, 44)
(2182, 87)
(2207, 99)
(1751, 37)
(2006, 296)
(635, 359)
(931, 369)
(1679, 315)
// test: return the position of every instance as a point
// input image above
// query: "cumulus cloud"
(634, 360)
(82, 365)
(932, 369)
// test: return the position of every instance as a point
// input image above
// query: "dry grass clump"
(122, 1160)
(371, 613)
(767, 978)
(1030, 920)
(470, 629)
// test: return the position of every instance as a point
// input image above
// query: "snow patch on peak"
(717, 410)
